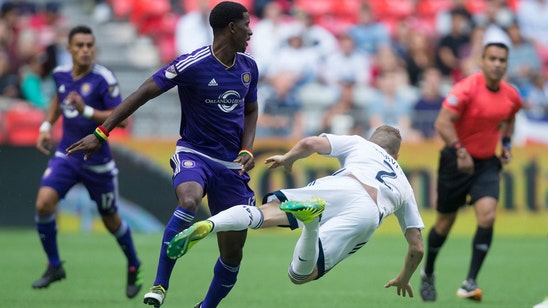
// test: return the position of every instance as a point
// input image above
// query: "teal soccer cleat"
(304, 211)
(183, 241)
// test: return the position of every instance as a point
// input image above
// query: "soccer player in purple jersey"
(218, 92)
(86, 95)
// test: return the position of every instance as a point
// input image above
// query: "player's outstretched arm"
(413, 258)
(147, 91)
(304, 148)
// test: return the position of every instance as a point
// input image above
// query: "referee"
(477, 114)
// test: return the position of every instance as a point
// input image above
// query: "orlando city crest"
(246, 79)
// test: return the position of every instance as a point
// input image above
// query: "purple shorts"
(224, 187)
(101, 181)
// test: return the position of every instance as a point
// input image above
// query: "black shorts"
(455, 186)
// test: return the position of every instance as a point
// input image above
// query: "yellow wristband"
(246, 152)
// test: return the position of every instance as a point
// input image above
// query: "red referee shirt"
(481, 113)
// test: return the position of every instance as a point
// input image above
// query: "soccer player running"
(338, 213)
(86, 95)
(478, 112)
(218, 93)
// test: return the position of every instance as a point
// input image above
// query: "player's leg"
(56, 181)
(236, 218)
(484, 195)
(226, 269)
(452, 189)
(189, 188)
(189, 196)
(103, 189)
(343, 221)
(303, 268)
(226, 189)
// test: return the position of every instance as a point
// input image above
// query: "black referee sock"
(435, 241)
(480, 247)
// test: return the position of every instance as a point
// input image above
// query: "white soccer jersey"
(373, 166)
(351, 216)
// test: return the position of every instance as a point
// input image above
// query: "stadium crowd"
(332, 66)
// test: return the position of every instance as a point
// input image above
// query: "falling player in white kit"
(338, 213)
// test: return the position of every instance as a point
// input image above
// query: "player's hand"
(505, 155)
(44, 142)
(402, 288)
(247, 162)
(75, 100)
(88, 144)
(465, 163)
(279, 161)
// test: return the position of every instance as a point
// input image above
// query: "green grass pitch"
(515, 274)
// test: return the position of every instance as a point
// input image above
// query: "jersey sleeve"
(340, 145)
(408, 215)
(168, 76)
(459, 96)
(251, 96)
(111, 93)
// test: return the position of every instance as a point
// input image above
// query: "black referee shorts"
(455, 186)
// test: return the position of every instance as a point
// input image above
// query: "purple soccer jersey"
(212, 99)
(99, 89)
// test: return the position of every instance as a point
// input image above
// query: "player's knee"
(45, 203)
(190, 203)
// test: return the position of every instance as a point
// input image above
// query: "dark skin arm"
(147, 91)
(251, 113)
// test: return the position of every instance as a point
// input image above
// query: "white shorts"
(349, 220)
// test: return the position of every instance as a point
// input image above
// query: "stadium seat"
(192, 5)
(147, 15)
(430, 8)
(347, 8)
(315, 7)
(121, 8)
(22, 124)
(475, 6)
(393, 9)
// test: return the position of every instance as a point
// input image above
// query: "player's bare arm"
(75, 100)
(413, 258)
(44, 143)
(507, 131)
(251, 113)
(446, 130)
(147, 91)
(304, 148)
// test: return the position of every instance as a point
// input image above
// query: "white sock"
(306, 251)
(237, 218)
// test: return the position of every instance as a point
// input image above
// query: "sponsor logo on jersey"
(212, 83)
(170, 72)
(246, 79)
(188, 164)
(68, 109)
(227, 101)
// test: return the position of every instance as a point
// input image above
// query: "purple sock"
(180, 220)
(47, 230)
(124, 239)
(224, 278)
